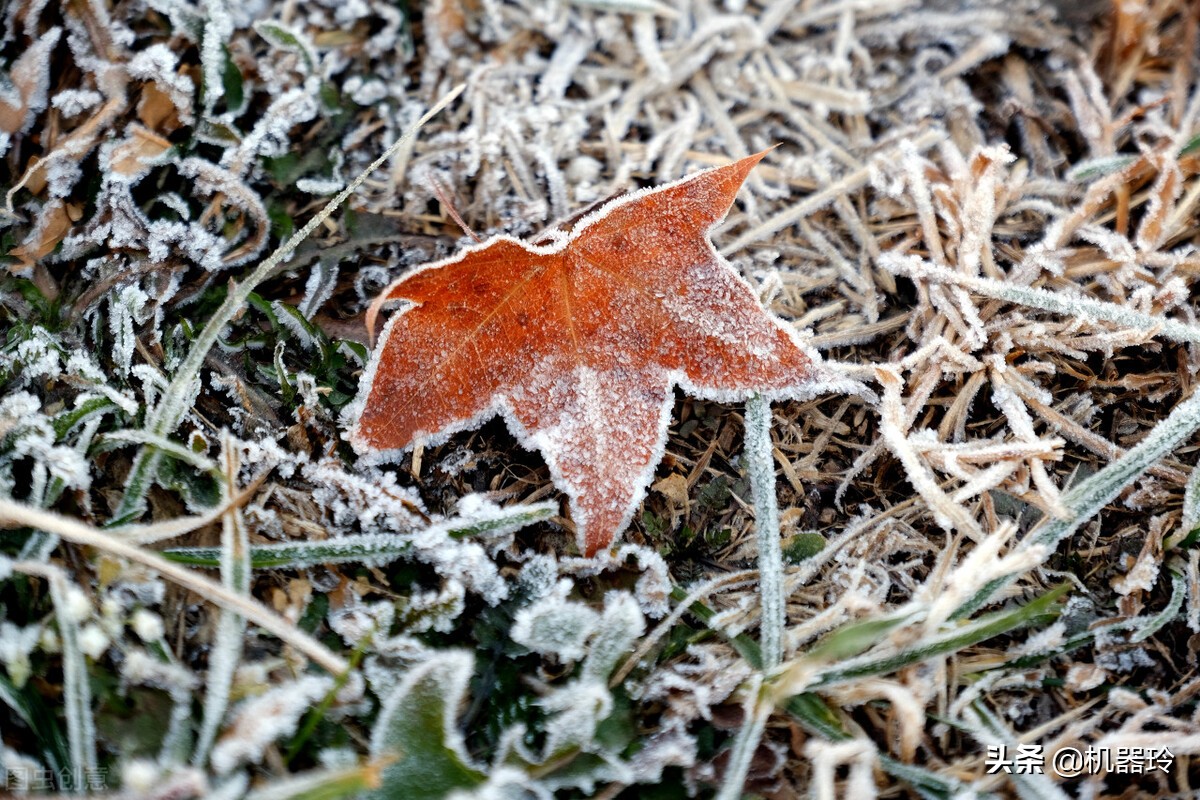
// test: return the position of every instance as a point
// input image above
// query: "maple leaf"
(579, 342)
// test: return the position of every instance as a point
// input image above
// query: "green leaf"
(1192, 146)
(288, 39)
(1096, 168)
(26, 704)
(816, 716)
(853, 639)
(282, 223)
(66, 420)
(746, 646)
(417, 728)
(1040, 610)
(358, 350)
(231, 80)
(928, 784)
(291, 167)
(322, 784)
(802, 547)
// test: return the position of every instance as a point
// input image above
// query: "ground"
(984, 557)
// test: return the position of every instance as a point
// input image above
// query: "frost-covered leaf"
(23, 89)
(577, 343)
(51, 226)
(577, 752)
(260, 721)
(287, 38)
(126, 313)
(159, 65)
(621, 624)
(291, 318)
(370, 549)
(214, 57)
(320, 285)
(27, 433)
(417, 727)
(133, 157)
(337, 782)
(555, 625)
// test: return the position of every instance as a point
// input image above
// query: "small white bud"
(147, 625)
(93, 641)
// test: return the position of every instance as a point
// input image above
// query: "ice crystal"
(147, 625)
(555, 625)
(260, 721)
(16, 643)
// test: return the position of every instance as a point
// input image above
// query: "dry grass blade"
(16, 514)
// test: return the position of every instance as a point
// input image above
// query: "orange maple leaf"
(578, 344)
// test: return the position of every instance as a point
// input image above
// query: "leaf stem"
(760, 464)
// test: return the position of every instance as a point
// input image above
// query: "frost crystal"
(16, 644)
(93, 641)
(555, 625)
(75, 101)
(125, 313)
(262, 720)
(147, 625)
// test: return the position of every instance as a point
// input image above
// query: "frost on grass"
(556, 626)
(258, 722)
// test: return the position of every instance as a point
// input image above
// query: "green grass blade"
(1086, 499)
(372, 549)
(1040, 610)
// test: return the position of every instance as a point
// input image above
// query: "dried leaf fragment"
(137, 151)
(23, 90)
(52, 225)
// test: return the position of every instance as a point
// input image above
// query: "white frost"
(262, 720)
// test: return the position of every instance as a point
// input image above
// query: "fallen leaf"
(53, 224)
(578, 344)
(23, 92)
(445, 28)
(134, 155)
(157, 110)
(674, 487)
